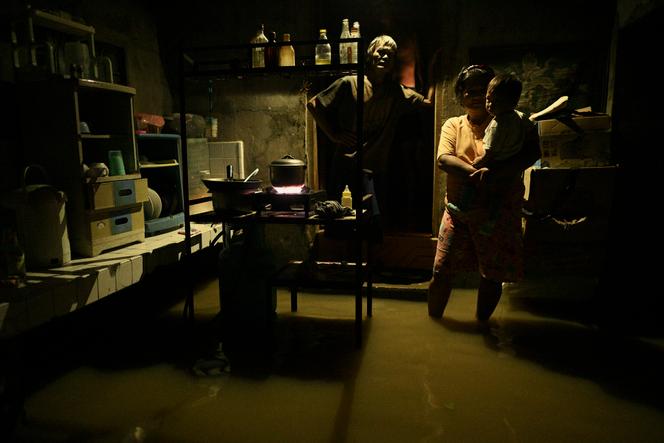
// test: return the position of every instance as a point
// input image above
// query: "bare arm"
(519, 162)
(512, 167)
(447, 159)
(454, 165)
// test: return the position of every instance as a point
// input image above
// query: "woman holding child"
(462, 244)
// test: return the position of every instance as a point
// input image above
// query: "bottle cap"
(286, 37)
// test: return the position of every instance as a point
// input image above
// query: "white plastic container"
(42, 223)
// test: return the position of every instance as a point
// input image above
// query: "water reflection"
(116, 376)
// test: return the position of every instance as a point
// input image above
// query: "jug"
(76, 61)
(41, 221)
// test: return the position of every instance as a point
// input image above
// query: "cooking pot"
(287, 171)
(231, 196)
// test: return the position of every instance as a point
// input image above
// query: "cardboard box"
(568, 205)
(576, 142)
(561, 231)
(570, 192)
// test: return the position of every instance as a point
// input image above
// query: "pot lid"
(287, 160)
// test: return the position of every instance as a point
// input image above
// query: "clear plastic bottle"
(346, 198)
(286, 53)
(354, 33)
(344, 48)
(258, 54)
(323, 50)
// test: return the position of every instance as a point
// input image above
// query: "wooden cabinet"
(68, 124)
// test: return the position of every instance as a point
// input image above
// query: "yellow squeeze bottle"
(346, 198)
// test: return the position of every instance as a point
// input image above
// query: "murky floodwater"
(114, 377)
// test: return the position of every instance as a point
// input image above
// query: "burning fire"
(288, 189)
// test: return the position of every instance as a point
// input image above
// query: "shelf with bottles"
(235, 60)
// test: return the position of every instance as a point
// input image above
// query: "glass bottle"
(286, 53)
(258, 54)
(354, 33)
(323, 50)
(344, 48)
(271, 54)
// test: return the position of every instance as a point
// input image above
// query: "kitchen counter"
(55, 292)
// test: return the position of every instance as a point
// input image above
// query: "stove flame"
(289, 189)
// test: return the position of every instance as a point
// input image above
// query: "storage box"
(117, 193)
(568, 205)
(104, 230)
(576, 142)
(562, 230)
(570, 192)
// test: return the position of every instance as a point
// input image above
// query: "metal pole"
(359, 186)
(188, 312)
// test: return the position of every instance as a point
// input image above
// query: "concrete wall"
(268, 114)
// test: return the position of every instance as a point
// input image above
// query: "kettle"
(77, 61)
(41, 221)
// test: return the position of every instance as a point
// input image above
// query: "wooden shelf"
(112, 178)
(159, 164)
(51, 293)
(95, 136)
(96, 84)
(60, 24)
(218, 61)
(322, 275)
